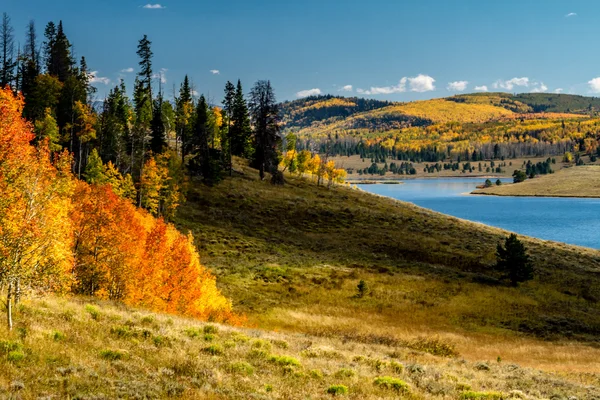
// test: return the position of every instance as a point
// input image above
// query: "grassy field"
(580, 181)
(85, 349)
(508, 167)
(435, 317)
(291, 257)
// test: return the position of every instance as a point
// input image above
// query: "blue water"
(569, 220)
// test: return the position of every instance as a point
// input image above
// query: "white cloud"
(421, 83)
(127, 70)
(215, 71)
(481, 88)
(540, 88)
(511, 83)
(595, 85)
(571, 14)
(558, 90)
(309, 92)
(195, 93)
(457, 86)
(399, 88)
(94, 78)
(154, 7)
(162, 75)
(346, 88)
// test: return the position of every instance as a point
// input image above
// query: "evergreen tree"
(144, 52)
(183, 116)
(50, 34)
(62, 61)
(240, 124)
(264, 112)
(30, 67)
(228, 103)
(158, 141)
(7, 52)
(512, 259)
(114, 134)
(199, 143)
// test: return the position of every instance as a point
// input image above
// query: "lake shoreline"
(475, 193)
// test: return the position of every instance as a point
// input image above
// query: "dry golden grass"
(582, 181)
(85, 349)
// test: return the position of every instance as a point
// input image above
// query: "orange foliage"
(54, 226)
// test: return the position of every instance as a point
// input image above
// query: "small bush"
(7, 346)
(470, 395)
(228, 344)
(159, 340)
(58, 336)
(121, 331)
(239, 337)
(192, 332)
(282, 344)
(481, 366)
(268, 388)
(209, 337)
(462, 386)
(396, 367)
(15, 356)
(345, 373)
(242, 368)
(210, 329)
(315, 373)
(148, 319)
(93, 311)
(387, 382)
(337, 390)
(261, 344)
(434, 346)
(285, 360)
(214, 350)
(113, 355)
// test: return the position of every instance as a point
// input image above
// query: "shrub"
(433, 345)
(470, 395)
(239, 337)
(192, 332)
(209, 337)
(214, 350)
(362, 288)
(210, 329)
(396, 367)
(285, 360)
(315, 373)
(7, 346)
(159, 340)
(15, 356)
(261, 344)
(148, 319)
(268, 388)
(282, 344)
(228, 344)
(345, 373)
(58, 336)
(242, 368)
(337, 390)
(462, 386)
(387, 382)
(481, 366)
(93, 311)
(113, 355)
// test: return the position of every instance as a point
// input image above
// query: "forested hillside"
(471, 127)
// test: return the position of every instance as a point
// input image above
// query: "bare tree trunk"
(9, 307)
(17, 291)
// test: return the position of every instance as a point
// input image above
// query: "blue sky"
(384, 49)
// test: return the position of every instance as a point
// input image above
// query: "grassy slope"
(569, 182)
(291, 258)
(71, 349)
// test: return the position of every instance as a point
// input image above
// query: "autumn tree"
(35, 234)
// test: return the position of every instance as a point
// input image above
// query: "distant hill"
(534, 102)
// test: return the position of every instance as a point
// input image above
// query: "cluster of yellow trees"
(305, 163)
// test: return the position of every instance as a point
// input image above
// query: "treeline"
(59, 233)
(151, 144)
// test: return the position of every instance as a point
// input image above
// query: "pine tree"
(240, 124)
(199, 143)
(158, 141)
(512, 259)
(7, 52)
(265, 119)
(228, 103)
(144, 52)
(184, 115)
(62, 61)
(50, 34)
(30, 67)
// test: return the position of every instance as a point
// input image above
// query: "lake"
(570, 220)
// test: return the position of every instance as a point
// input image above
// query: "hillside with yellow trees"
(462, 128)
